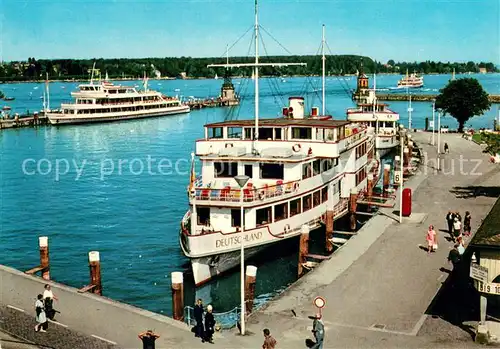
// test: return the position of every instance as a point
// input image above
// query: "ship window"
(203, 214)
(320, 132)
(225, 169)
(330, 134)
(271, 171)
(248, 133)
(306, 170)
(327, 165)
(324, 194)
(234, 132)
(317, 198)
(316, 167)
(306, 203)
(236, 218)
(249, 171)
(301, 133)
(265, 133)
(277, 133)
(295, 207)
(215, 132)
(263, 215)
(281, 212)
(336, 188)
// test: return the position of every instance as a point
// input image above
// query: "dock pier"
(25, 120)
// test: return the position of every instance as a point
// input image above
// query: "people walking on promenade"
(318, 332)
(457, 226)
(209, 325)
(269, 341)
(198, 316)
(457, 214)
(467, 219)
(431, 239)
(148, 339)
(446, 148)
(449, 220)
(41, 318)
(48, 300)
(460, 247)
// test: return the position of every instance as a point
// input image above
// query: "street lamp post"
(433, 120)
(439, 143)
(242, 181)
(401, 162)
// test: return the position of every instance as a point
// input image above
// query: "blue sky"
(405, 30)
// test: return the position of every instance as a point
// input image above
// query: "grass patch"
(477, 137)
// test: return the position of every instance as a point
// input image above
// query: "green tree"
(463, 99)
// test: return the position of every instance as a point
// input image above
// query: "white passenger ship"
(379, 119)
(296, 169)
(411, 81)
(104, 102)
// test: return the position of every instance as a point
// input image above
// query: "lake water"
(100, 187)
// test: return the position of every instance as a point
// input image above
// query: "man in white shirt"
(48, 298)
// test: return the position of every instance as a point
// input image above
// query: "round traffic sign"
(319, 302)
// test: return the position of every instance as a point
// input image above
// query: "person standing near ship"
(198, 316)
(209, 326)
(318, 331)
(41, 318)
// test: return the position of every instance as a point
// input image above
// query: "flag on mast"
(192, 178)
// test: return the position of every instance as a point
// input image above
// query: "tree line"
(59, 69)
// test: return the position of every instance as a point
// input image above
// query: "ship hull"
(58, 119)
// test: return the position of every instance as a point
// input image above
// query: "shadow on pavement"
(475, 191)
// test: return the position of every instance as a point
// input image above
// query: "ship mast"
(324, 64)
(255, 67)
(375, 103)
(256, 134)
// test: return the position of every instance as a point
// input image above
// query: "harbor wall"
(422, 98)
(88, 313)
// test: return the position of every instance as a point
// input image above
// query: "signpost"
(319, 302)
(479, 273)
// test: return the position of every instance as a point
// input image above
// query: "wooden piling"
(353, 198)
(178, 295)
(406, 157)
(43, 243)
(330, 216)
(251, 276)
(386, 179)
(95, 272)
(303, 248)
(369, 185)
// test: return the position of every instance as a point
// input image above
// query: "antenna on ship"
(324, 65)
(375, 102)
(145, 82)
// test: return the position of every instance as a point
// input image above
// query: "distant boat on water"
(216, 77)
(411, 81)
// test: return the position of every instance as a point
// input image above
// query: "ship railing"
(223, 321)
(340, 207)
(250, 193)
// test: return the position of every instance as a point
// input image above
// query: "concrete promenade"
(378, 286)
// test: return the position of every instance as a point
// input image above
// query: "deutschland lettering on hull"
(236, 240)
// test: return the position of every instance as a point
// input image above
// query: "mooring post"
(43, 243)
(251, 276)
(178, 295)
(303, 248)
(369, 186)
(406, 157)
(353, 198)
(95, 272)
(330, 217)
(386, 179)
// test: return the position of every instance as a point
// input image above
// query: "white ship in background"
(102, 101)
(380, 121)
(411, 81)
(285, 172)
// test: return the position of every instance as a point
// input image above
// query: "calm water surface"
(111, 195)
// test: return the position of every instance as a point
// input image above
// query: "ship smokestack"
(296, 105)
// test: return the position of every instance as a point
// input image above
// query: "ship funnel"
(296, 107)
